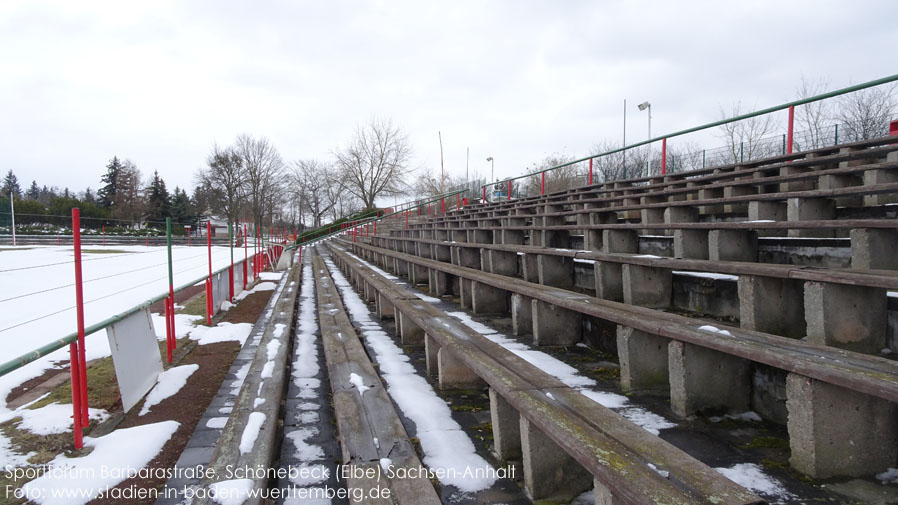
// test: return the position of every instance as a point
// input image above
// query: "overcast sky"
(158, 82)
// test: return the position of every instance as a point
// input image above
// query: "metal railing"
(779, 144)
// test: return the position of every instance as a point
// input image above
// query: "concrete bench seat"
(568, 442)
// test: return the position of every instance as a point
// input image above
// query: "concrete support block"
(838, 432)
(708, 194)
(701, 378)
(845, 316)
(469, 257)
(454, 373)
(810, 209)
(803, 185)
(409, 332)
(438, 283)
(486, 299)
(548, 470)
(431, 348)
(480, 236)
(643, 360)
(874, 249)
(506, 428)
(417, 274)
(400, 267)
(513, 237)
(521, 314)
(647, 286)
(603, 495)
(502, 262)
(873, 177)
(772, 305)
(768, 211)
(465, 295)
(442, 253)
(650, 216)
(691, 244)
(680, 215)
(553, 325)
(459, 235)
(620, 241)
(732, 191)
(530, 267)
(384, 306)
(609, 281)
(733, 245)
(557, 271)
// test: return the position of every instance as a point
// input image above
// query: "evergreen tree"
(66, 193)
(109, 192)
(46, 196)
(181, 208)
(11, 185)
(157, 199)
(34, 192)
(88, 196)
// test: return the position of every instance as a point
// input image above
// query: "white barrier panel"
(216, 294)
(135, 354)
(238, 278)
(223, 283)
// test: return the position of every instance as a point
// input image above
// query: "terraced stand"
(800, 249)
(568, 442)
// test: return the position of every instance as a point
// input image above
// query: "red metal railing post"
(168, 335)
(663, 156)
(209, 301)
(542, 183)
(76, 395)
(245, 255)
(508, 195)
(77, 361)
(375, 228)
(484, 194)
(789, 134)
(590, 172)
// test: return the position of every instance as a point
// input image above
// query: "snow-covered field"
(37, 294)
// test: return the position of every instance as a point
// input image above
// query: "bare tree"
(617, 166)
(130, 203)
(310, 179)
(745, 138)
(225, 175)
(865, 114)
(264, 170)
(813, 118)
(561, 178)
(375, 161)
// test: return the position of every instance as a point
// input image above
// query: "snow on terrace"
(745, 474)
(113, 283)
(446, 446)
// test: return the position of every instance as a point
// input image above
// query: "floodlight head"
(644, 105)
(490, 158)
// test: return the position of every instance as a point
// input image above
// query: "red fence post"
(168, 335)
(484, 194)
(508, 195)
(590, 172)
(77, 361)
(663, 156)
(791, 124)
(209, 301)
(542, 183)
(375, 228)
(893, 127)
(245, 256)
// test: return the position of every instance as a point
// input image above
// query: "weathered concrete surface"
(837, 432)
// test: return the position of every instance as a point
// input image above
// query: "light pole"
(492, 166)
(644, 106)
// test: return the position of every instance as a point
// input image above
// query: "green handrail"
(28, 357)
(802, 101)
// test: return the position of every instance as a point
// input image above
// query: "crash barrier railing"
(262, 257)
(788, 140)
